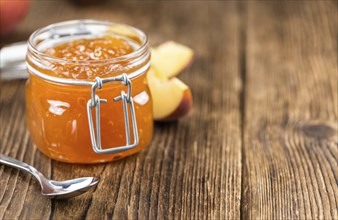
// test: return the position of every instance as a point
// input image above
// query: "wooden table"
(261, 141)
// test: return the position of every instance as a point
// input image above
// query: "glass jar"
(88, 120)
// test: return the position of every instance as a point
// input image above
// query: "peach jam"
(87, 98)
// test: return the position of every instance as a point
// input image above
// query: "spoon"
(13, 61)
(50, 188)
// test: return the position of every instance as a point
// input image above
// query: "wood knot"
(318, 130)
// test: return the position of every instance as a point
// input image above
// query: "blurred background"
(19, 18)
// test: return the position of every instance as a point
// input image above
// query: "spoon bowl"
(69, 188)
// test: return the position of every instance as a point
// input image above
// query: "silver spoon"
(13, 61)
(51, 188)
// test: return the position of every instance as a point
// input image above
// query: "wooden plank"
(290, 133)
(192, 168)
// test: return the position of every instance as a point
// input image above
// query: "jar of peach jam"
(87, 98)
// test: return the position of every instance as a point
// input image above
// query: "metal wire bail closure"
(95, 102)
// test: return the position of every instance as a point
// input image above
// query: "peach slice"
(172, 98)
(171, 58)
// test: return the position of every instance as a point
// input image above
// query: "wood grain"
(290, 127)
(192, 169)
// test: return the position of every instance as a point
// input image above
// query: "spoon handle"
(12, 61)
(20, 165)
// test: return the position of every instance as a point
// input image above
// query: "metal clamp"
(95, 102)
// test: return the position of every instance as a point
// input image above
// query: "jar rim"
(143, 45)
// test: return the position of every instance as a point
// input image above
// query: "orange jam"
(97, 49)
(57, 113)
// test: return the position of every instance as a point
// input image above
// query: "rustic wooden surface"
(261, 141)
(290, 113)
